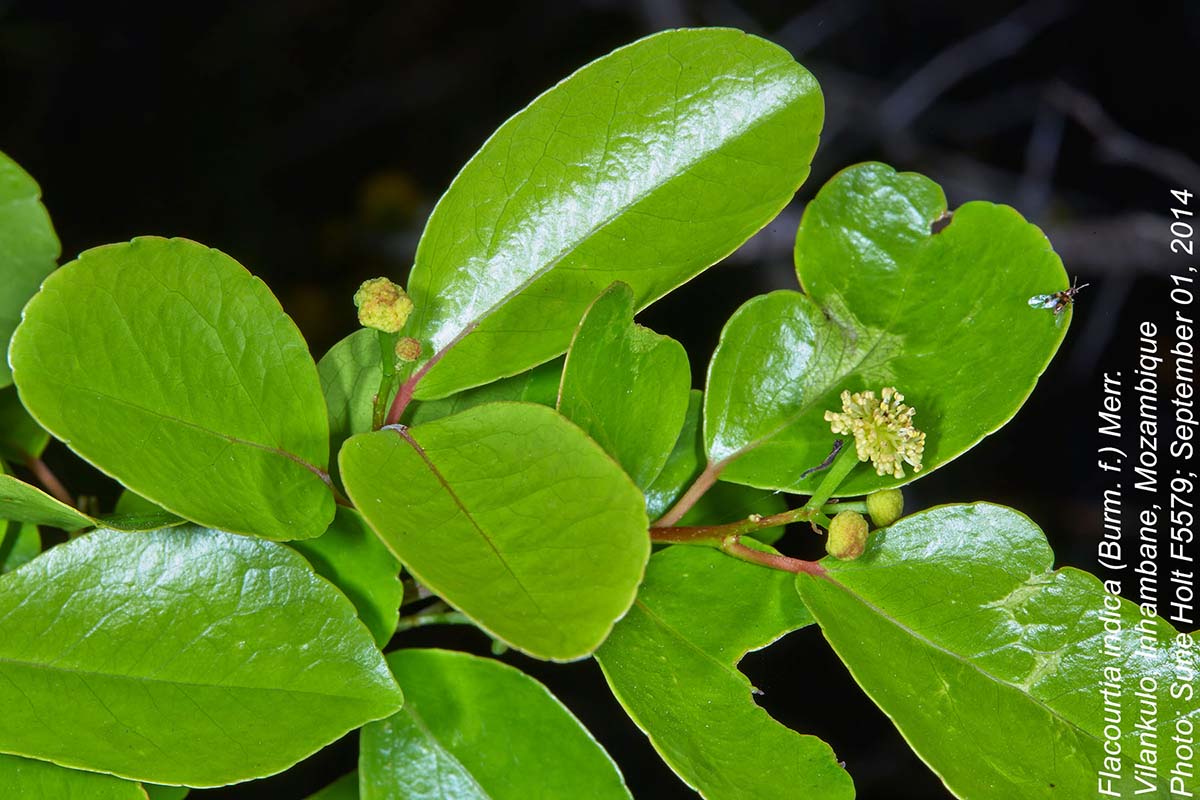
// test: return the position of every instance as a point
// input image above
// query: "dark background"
(309, 140)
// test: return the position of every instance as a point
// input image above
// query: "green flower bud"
(885, 507)
(382, 305)
(847, 536)
(407, 349)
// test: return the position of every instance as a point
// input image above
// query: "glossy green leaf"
(138, 522)
(344, 788)
(135, 513)
(24, 503)
(170, 367)
(646, 166)
(476, 729)
(626, 385)
(27, 779)
(538, 385)
(353, 559)
(943, 317)
(350, 374)
(672, 663)
(512, 515)
(154, 792)
(20, 437)
(724, 502)
(29, 250)
(181, 656)
(20, 541)
(25, 544)
(990, 662)
(131, 503)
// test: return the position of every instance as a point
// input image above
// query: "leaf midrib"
(236, 440)
(478, 528)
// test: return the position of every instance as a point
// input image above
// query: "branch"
(966, 57)
(735, 548)
(728, 539)
(1118, 145)
(713, 535)
(49, 480)
(704, 481)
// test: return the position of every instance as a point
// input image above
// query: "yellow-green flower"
(382, 305)
(883, 430)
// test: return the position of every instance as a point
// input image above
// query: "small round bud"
(847, 536)
(382, 305)
(885, 507)
(407, 349)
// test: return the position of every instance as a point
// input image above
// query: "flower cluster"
(382, 305)
(883, 430)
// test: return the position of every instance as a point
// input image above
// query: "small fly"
(1057, 301)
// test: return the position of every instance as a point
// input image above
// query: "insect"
(1057, 301)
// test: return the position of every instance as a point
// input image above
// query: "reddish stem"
(715, 534)
(704, 481)
(49, 480)
(727, 538)
(773, 560)
(405, 395)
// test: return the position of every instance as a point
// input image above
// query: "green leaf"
(889, 304)
(131, 503)
(21, 502)
(170, 367)
(155, 792)
(138, 522)
(646, 166)
(20, 437)
(20, 542)
(672, 664)
(538, 385)
(181, 656)
(29, 250)
(27, 779)
(135, 513)
(991, 663)
(344, 788)
(353, 559)
(25, 545)
(724, 502)
(474, 728)
(350, 374)
(626, 385)
(512, 515)
(24, 503)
